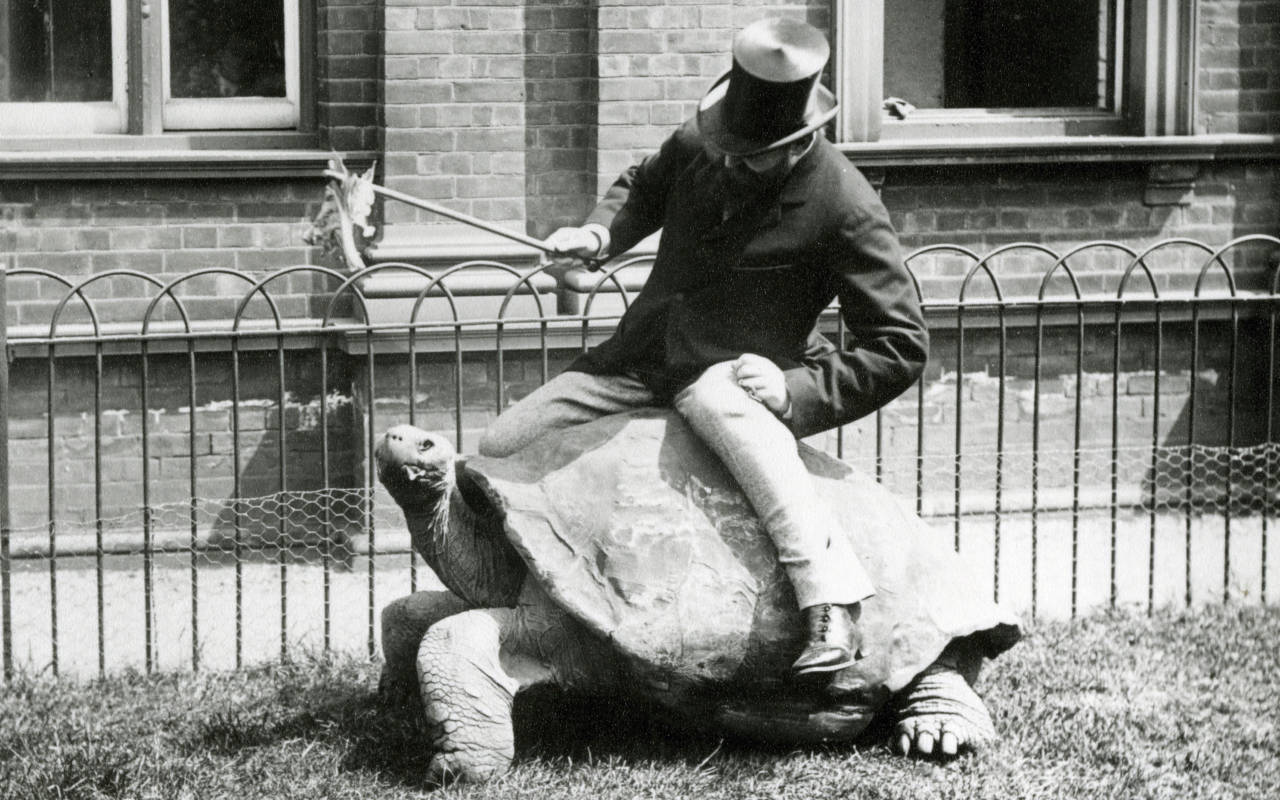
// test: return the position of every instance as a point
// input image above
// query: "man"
(763, 224)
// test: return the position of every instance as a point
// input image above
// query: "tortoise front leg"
(471, 665)
(467, 695)
(404, 622)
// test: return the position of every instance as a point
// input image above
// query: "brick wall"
(656, 59)
(455, 90)
(957, 400)
(163, 229)
(172, 454)
(349, 72)
(1239, 69)
(519, 112)
(169, 228)
(1064, 205)
(561, 113)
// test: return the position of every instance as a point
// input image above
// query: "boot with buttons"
(832, 644)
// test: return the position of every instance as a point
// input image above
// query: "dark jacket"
(757, 281)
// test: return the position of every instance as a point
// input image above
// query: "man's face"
(754, 173)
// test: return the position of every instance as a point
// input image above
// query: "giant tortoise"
(620, 554)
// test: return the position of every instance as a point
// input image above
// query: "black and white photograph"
(600, 400)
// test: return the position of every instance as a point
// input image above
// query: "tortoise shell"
(633, 526)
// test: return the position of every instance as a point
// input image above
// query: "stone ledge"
(1060, 149)
(170, 163)
(530, 331)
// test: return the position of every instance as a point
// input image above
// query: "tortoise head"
(416, 466)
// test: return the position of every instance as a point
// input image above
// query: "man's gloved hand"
(764, 381)
(572, 246)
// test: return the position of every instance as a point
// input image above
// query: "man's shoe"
(831, 644)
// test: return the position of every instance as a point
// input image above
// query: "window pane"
(55, 51)
(1000, 53)
(226, 48)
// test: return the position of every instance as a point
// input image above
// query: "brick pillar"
(349, 66)
(454, 107)
(560, 113)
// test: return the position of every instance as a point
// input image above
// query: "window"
(920, 69)
(230, 64)
(87, 67)
(62, 66)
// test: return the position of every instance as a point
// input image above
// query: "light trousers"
(756, 447)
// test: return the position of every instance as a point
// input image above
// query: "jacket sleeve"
(635, 205)
(887, 343)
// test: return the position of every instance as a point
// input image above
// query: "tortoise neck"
(463, 539)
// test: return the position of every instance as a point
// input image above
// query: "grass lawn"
(1115, 706)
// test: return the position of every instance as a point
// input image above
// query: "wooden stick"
(443, 211)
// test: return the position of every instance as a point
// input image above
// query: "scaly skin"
(467, 695)
(404, 623)
(938, 713)
(466, 548)
(471, 665)
(940, 709)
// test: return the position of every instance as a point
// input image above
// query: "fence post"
(6, 621)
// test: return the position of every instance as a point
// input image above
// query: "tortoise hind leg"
(939, 710)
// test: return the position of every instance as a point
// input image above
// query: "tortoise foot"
(939, 715)
(458, 767)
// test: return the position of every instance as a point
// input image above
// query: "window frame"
(90, 117)
(140, 65)
(233, 113)
(1155, 91)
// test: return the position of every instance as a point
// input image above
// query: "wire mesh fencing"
(1097, 427)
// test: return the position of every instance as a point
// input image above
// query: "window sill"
(1059, 149)
(205, 155)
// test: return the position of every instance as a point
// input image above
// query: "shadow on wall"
(98, 471)
(288, 501)
(1219, 454)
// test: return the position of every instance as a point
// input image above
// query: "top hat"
(771, 95)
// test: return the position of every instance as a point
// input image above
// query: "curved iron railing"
(363, 371)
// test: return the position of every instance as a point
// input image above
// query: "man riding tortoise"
(647, 519)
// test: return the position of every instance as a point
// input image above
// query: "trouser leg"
(762, 455)
(570, 398)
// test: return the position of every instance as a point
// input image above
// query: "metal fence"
(1098, 427)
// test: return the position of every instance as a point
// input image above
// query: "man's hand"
(571, 245)
(761, 378)
(575, 242)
